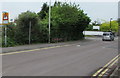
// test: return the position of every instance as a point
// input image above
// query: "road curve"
(73, 60)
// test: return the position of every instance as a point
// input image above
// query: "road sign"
(5, 19)
(96, 27)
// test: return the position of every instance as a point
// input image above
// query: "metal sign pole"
(5, 35)
(49, 20)
(29, 32)
(5, 20)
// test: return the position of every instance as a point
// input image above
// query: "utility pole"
(29, 32)
(49, 20)
(110, 24)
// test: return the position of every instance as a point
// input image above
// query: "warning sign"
(5, 17)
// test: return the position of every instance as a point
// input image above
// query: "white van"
(108, 36)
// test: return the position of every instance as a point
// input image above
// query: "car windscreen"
(106, 34)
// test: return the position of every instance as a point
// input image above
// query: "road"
(78, 59)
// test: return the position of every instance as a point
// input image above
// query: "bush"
(10, 42)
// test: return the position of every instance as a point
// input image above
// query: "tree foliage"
(23, 24)
(106, 26)
(44, 11)
(89, 27)
(67, 23)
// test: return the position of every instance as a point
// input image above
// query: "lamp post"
(30, 32)
(110, 24)
(49, 19)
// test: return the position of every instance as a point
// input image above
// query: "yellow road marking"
(114, 62)
(33, 50)
(103, 72)
(105, 65)
(108, 67)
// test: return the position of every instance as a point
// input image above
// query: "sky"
(97, 10)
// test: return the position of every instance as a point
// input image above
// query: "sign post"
(5, 21)
(29, 32)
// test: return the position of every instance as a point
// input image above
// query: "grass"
(89, 36)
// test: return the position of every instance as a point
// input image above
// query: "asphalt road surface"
(77, 59)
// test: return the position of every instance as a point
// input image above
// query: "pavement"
(42, 45)
(77, 58)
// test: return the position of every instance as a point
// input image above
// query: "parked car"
(108, 36)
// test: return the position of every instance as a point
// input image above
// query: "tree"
(22, 29)
(96, 23)
(10, 32)
(67, 21)
(89, 27)
(106, 26)
(118, 20)
(44, 11)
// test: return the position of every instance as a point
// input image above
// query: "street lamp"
(29, 32)
(110, 24)
(49, 20)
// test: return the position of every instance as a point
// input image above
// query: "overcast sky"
(99, 10)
